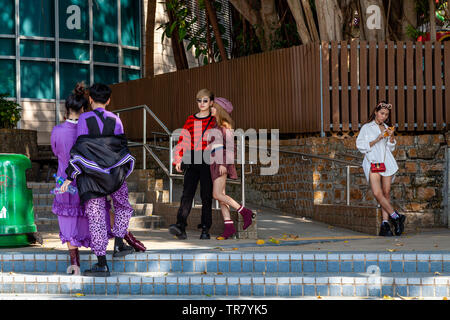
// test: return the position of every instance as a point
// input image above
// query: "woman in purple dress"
(73, 222)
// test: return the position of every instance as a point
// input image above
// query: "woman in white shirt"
(376, 141)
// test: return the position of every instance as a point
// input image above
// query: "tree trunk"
(179, 53)
(265, 20)
(432, 21)
(373, 20)
(310, 20)
(150, 39)
(211, 12)
(252, 16)
(296, 10)
(409, 17)
(330, 20)
(270, 20)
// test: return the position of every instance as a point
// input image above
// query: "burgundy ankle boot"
(247, 214)
(132, 241)
(74, 267)
(228, 231)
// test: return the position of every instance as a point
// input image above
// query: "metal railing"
(172, 137)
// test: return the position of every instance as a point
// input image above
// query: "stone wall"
(419, 188)
(19, 141)
(302, 185)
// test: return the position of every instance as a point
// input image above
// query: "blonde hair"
(223, 118)
(205, 93)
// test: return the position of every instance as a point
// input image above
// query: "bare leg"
(69, 246)
(375, 184)
(386, 186)
(219, 193)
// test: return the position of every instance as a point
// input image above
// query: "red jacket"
(191, 135)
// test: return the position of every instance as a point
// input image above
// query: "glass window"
(7, 17)
(130, 23)
(70, 75)
(106, 54)
(131, 57)
(7, 47)
(74, 19)
(37, 48)
(37, 18)
(74, 51)
(38, 80)
(8, 77)
(130, 74)
(106, 75)
(105, 20)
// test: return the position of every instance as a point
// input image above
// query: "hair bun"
(80, 89)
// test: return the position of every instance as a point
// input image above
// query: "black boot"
(178, 230)
(100, 269)
(205, 232)
(398, 223)
(120, 249)
(385, 230)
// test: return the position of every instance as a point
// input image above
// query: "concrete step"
(50, 223)
(226, 284)
(146, 222)
(344, 263)
(187, 272)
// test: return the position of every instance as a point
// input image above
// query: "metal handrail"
(171, 175)
(147, 148)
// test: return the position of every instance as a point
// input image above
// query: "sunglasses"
(204, 100)
(384, 105)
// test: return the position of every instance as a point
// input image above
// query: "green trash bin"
(16, 201)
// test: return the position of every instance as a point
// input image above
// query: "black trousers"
(194, 174)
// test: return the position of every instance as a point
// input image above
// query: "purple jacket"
(62, 139)
(83, 127)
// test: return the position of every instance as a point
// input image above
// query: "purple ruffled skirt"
(73, 222)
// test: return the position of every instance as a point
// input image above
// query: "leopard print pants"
(95, 210)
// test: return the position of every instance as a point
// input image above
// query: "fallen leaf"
(235, 248)
(219, 273)
(274, 241)
(204, 272)
(386, 297)
(407, 298)
(319, 297)
(345, 241)
(391, 250)
(444, 298)
(79, 295)
(399, 244)
(436, 246)
(220, 238)
(260, 241)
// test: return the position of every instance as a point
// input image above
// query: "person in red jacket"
(189, 158)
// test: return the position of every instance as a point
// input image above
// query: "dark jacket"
(100, 165)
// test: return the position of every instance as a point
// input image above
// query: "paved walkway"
(293, 234)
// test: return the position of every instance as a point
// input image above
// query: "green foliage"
(286, 36)
(9, 113)
(413, 33)
(186, 31)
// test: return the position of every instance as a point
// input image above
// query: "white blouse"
(369, 132)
